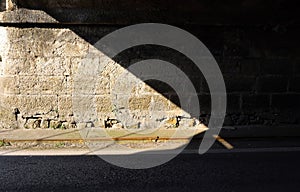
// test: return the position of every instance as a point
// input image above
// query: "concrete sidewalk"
(82, 138)
(39, 134)
(93, 134)
(77, 137)
(70, 141)
(119, 134)
(84, 141)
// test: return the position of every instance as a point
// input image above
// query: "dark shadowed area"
(254, 42)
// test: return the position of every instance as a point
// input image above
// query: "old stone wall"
(43, 42)
(37, 78)
(37, 75)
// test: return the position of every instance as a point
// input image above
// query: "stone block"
(52, 85)
(272, 84)
(77, 48)
(29, 85)
(103, 86)
(103, 104)
(20, 66)
(286, 101)
(54, 66)
(25, 16)
(51, 35)
(9, 85)
(159, 103)
(29, 104)
(16, 34)
(233, 84)
(65, 107)
(23, 49)
(294, 84)
(230, 65)
(255, 103)
(250, 66)
(296, 66)
(7, 118)
(288, 116)
(9, 102)
(2, 6)
(239, 83)
(84, 108)
(139, 89)
(85, 85)
(43, 42)
(74, 64)
(276, 66)
(233, 103)
(139, 103)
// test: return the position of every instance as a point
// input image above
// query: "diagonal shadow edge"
(122, 39)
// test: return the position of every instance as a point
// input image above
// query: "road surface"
(215, 171)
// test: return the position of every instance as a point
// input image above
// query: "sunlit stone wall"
(43, 42)
(37, 72)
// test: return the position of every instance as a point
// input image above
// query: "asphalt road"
(230, 171)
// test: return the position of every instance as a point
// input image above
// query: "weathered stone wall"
(37, 79)
(43, 42)
(37, 64)
(37, 73)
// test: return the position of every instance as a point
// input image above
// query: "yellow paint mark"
(223, 142)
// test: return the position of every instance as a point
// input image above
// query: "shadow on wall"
(2, 6)
(83, 17)
(244, 36)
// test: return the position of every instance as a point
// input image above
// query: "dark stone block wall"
(256, 44)
(2, 5)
